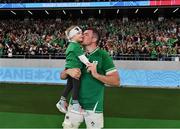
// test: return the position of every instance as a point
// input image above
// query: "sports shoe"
(62, 106)
(76, 108)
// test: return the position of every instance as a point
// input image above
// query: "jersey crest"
(95, 62)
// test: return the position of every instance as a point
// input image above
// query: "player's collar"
(97, 48)
(73, 41)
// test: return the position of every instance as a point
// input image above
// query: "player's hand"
(92, 69)
(63, 75)
(74, 73)
(89, 64)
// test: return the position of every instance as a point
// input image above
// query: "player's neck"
(90, 48)
(73, 41)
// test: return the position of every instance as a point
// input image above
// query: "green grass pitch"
(33, 106)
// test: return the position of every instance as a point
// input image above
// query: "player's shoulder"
(104, 53)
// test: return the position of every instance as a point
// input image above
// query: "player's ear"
(94, 39)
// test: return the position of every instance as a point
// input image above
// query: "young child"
(75, 58)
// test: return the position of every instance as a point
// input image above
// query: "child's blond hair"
(68, 30)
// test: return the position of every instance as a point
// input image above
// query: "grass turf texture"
(32, 105)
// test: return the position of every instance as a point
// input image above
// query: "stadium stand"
(137, 39)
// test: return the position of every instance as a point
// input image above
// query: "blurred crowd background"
(137, 38)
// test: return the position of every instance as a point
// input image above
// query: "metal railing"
(48, 56)
(147, 57)
(140, 57)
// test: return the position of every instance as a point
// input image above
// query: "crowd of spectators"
(135, 38)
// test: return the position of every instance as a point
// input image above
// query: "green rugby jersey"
(91, 93)
(73, 50)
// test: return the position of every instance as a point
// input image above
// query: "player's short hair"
(95, 34)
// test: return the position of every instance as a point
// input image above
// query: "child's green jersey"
(74, 50)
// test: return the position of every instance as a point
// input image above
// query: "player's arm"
(74, 73)
(110, 79)
(63, 75)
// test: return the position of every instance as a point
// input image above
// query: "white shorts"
(92, 120)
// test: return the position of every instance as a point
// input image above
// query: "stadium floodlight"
(46, 12)
(30, 12)
(155, 10)
(117, 11)
(13, 12)
(176, 10)
(64, 12)
(136, 10)
(99, 11)
(81, 11)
